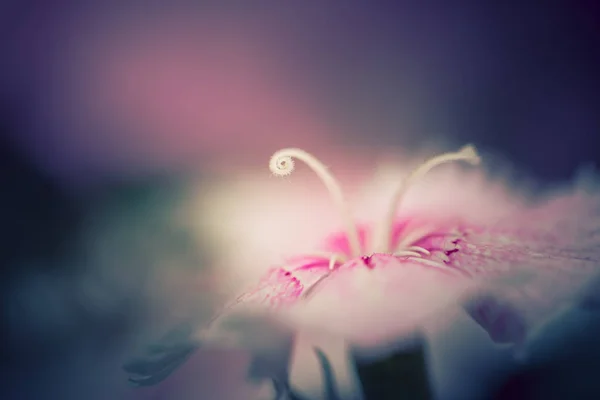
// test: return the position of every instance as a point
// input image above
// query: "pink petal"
(512, 264)
(543, 260)
(503, 323)
(389, 298)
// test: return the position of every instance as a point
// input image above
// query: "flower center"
(367, 261)
(282, 164)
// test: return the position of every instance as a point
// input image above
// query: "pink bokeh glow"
(185, 90)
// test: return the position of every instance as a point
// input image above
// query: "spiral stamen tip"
(281, 165)
(470, 154)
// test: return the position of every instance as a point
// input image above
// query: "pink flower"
(458, 238)
(510, 263)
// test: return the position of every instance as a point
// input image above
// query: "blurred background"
(135, 141)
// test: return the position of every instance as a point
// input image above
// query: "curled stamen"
(318, 255)
(415, 236)
(406, 253)
(441, 256)
(333, 261)
(282, 164)
(308, 292)
(466, 153)
(419, 249)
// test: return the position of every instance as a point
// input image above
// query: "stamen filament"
(312, 288)
(466, 153)
(406, 253)
(441, 255)
(282, 164)
(419, 249)
(414, 236)
(333, 261)
(316, 256)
